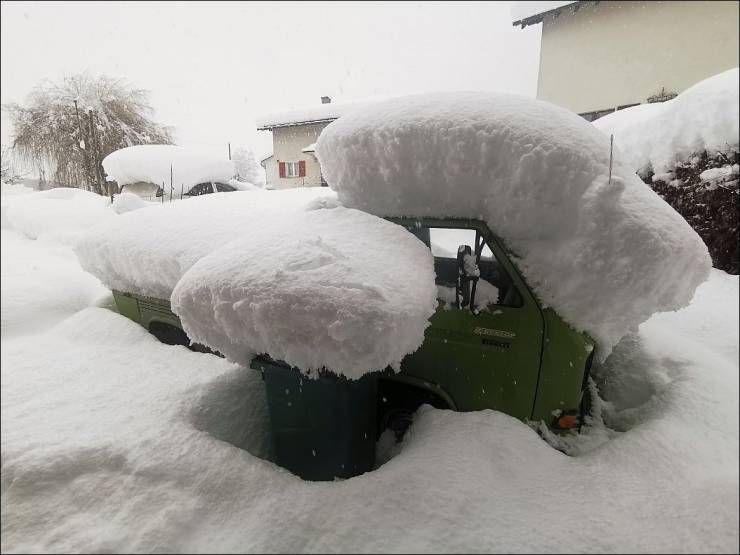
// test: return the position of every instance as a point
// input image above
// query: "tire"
(397, 403)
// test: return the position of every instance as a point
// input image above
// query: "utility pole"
(229, 151)
(611, 150)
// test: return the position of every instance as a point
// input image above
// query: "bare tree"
(65, 130)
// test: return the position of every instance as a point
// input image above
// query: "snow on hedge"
(147, 251)
(152, 163)
(606, 255)
(334, 288)
(703, 117)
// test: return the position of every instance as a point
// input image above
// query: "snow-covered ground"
(114, 442)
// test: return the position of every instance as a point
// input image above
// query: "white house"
(294, 135)
(598, 57)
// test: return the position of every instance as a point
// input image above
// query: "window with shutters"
(291, 169)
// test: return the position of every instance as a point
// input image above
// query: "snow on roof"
(148, 251)
(312, 114)
(529, 13)
(152, 163)
(703, 117)
(606, 255)
(309, 148)
(317, 289)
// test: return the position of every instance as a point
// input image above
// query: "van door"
(484, 355)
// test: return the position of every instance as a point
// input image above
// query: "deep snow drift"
(59, 214)
(153, 163)
(332, 288)
(660, 135)
(605, 254)
(148, 250)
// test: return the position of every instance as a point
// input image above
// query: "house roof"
(309, 148)
(314, 114)
(530, 13)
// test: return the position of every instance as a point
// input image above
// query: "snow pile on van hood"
(606, 255)
(332, 288)
(147, 251)
(658, 136)
(152, 163)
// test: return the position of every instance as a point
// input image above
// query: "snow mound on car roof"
(333, 288)
(148, 250)
(606, 254)
(152, 164)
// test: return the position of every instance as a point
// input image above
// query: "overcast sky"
(213, 67)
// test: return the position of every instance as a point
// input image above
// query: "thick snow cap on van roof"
(605, 252)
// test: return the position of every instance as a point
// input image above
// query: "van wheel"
(398, 421)
(397, 403)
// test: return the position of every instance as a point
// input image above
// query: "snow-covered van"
(475, 251)
(491, 345)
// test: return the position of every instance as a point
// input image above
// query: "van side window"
(494, 286)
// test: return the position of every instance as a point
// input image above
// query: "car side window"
(200, 189)
(223, 188)
(457, 268)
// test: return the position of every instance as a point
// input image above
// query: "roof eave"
(268, 127)
(538, 17)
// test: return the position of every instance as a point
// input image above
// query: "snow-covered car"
(169, 172)
(481, 253)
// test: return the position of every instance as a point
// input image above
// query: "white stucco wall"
(615, 53)
(287, 144)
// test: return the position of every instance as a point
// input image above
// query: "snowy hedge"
(688, 149)
(605, 254)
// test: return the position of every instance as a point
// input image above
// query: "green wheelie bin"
(323, 427)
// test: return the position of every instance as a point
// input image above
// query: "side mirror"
(466, 263)
(467, 277)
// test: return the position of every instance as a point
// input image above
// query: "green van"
(491, 345)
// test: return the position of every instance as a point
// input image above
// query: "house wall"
(271, 172)
(609, 54)
(287, 144)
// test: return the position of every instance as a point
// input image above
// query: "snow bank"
(605, 255)
(8, 194)
(332, 288)
(148, 251)
(152, 163)
(126, 202)
(703, 117)
(243, 185)
(41, 284)
(60, 213)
